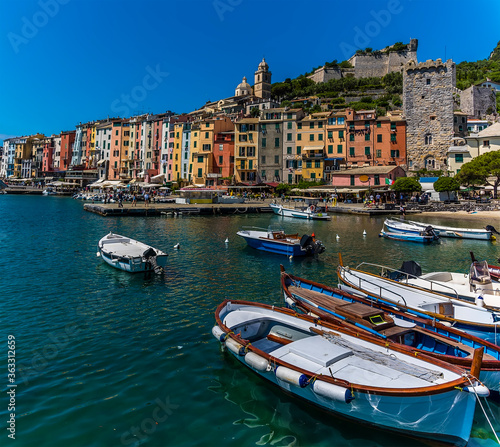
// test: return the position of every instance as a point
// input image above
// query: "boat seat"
(440, 276)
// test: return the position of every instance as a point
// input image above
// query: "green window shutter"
(351, 151)
(339, 149)
(330, 148)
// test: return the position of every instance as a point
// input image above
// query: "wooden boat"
(493, 269)
(277, 241)
(422, 238)
(130, 255)
(351, 374)
(309, 212)
(418, 335)
(476, 320)
(462, 233)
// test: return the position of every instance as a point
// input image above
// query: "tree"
(406, 184)
(482, 170)
(446, 184)
(254, 112)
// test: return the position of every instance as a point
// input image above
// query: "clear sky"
(70, 61)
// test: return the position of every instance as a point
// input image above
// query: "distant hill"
(495, 54)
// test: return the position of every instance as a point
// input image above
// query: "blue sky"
(70, 61)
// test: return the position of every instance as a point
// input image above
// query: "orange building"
(67, 141)
(390, 139)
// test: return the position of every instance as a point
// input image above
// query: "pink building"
(370, 177)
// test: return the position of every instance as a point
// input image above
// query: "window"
(379, 153)
(242, 164)
(207, 125)
(317, 164)
(393, 138)
(276, 142)
(393, 126)
(242, 138)
(289, 125)
(277, 159)
(367, 137)
(311, 137)
(339, 148)
(340, 120)
(351, 137)
(116, 132)
(177, 135)
(376, 179)
(367, 151)
(200, 159)
(486, 143)
(379, 124)
(428, 82)
(289, 150)
(352, 179)
(299, 136)
(459, 158)
(330, 148)
(331, 120)
(320, 124)
(395, 153)
(206, 134)
(289, 116)
(341, 134)
(263, 159)
(200, 172)
(299, 125)
(308, 164)
(242, 151)
(194, 144)
(311, 125)
(460, 128)
(379, 138)
(313, 175)
(299, 150)
(351, 152)
(330, 134)
(264, 142)
(288, 137)
(250, 164)
(320, 137)
(290, 178)
(207, 147)
(428, 139)
(221, 147)
(277, 127)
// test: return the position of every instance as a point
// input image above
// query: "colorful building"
(246, 137)
(335, 156)
(292, 152)
(311, 134)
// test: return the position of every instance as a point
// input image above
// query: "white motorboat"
(308, 212)
(130, 255)
(462, 233)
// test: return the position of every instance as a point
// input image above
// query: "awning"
(158, 178)
(313, 148)
(271, 184)
(101, 162)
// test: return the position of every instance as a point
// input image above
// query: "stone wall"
(379, 64)
(324, 74)
(475, 101)
(428, 106)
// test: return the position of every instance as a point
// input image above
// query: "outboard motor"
(429, 231)
(411, 268)
(492, 229)
(150, 257)
(310, 245)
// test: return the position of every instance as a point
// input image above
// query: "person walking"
(146, 199)
(134, 200)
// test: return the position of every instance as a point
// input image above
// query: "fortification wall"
(428, 105)
(324, 74)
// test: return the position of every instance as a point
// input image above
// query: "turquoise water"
(100, 354)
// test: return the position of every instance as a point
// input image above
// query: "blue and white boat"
(277, 241)
(399, 226)
(408, 237)
(308, 212)
(401, 231)
(351, 374)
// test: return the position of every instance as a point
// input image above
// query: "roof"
(248, 121)
(491, 131)
(367, 170)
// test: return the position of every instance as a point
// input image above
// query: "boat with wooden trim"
(417, 334)
(277, 241)
(308, 212)
(130, 255)
(351, 374)
(487, 233)
(479, 321)
(493, 269)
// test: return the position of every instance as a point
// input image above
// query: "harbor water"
(107, 358)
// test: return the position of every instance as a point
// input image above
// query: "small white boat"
(308, 212)
(477, 286)
(130, 255)
(398, 226)
(461, 233)
(351, 374)
(480, 321)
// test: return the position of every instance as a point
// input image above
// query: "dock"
(215, 209)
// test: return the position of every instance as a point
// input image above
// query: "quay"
(211, 209)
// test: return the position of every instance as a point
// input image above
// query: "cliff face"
(495, 54)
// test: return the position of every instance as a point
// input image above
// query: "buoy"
(218, 333)
(364, 232)
(291, 376)
(337, 237)
(480, 301)
(98, 254)
(333, 392)
(235, 347)
(290, 257)
(177, 246)
(227, 240)
(289, 302)
(256, 361)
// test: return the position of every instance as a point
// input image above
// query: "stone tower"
(262, 87)
(429, 95)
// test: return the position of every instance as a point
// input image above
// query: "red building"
(67, 142)
(223, 153)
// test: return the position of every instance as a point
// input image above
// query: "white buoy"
(227, 240)
(364, 232)
(98, 254)
(337, 237)
(177, 246)
(290, 257)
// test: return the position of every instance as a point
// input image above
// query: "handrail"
(375, 285)
(407, 275)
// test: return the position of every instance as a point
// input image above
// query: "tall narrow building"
(262, 87)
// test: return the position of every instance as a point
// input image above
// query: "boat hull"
(133, 265)
(407, 237)
(280, 248)
(460, 233)
(299, 214)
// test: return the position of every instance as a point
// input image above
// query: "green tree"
(254, 112)
(406, 184)
(446, 184)
(482, 170)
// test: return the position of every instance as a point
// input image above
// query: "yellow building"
(311, 132)
(245, 150)
(336, 145)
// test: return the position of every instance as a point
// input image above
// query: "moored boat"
(479, 321)
(417, 334)
(279, 242)
(130, 255)
(308, 212)
(350, 374)
(487, 233)
(422, 238)
(493, 269)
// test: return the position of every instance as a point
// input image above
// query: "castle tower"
(428, 104)
(262, 87)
